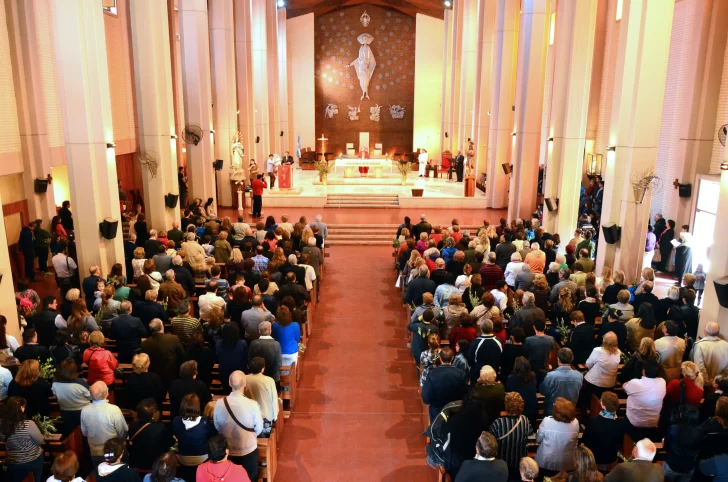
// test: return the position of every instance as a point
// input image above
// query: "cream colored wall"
(11, 188)
(10, 160)
(429, 38)
(299, 43)
(61, 189)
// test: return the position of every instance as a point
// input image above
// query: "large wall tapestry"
(365, 58)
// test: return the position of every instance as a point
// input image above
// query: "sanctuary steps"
(368, 234)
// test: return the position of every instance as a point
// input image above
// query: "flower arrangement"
(563, 330)
(404, 168)
(474, 299)
(395, 243)
(47, 370)
(46, 425)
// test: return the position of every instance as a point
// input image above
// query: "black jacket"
(146, 311)
(479, 470)
(144, 385)
(619, 329)
(443, 385)
(503, 254)
(66, 218)
(128, 332)
(604, 437)
(166, 354)
(89, 288)
(30, 351)
(44, 322)
(484, 350)
(296, 291)
(441, 277)
(270, 351)
(149, 443)
(644, 298)
(151, 247)
(610, 293)
(182, 387)
(142, 234)
(582, 342)
(184, 277)
(421, 227)
(418, 287)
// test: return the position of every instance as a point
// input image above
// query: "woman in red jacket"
(101, 363)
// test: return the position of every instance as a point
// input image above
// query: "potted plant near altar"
(405, 168)
(323, 169)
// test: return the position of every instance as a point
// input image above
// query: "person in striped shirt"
(23, 441)
(184, 325)
(512, 433)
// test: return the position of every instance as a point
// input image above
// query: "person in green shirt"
(587, 244)
(42, 244)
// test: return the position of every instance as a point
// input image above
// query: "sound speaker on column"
(552, 203)
(170, 200)
(217, 164)
(40, 186)
(685, 190)
(612, 234)
(257, 139)
(721, 289)
(507, 168)
(281, 133)
(108, 228)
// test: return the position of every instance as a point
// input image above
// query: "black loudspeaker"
(281, 133)
(446, 134)
(170, 200)
(612, 234)
(257, 139)
(721, 289)
(507, 168)
(108, 228)
(552, 203)
(40, 186)
(217, 165)
(685, 190)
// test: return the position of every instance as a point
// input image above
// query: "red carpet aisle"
(358, 412)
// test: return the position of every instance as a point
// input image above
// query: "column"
(483, 87)
(532, 43)
(712, 311)
(469, 65)
(455, 76)
(274, 115)
(446, 81)
(83, 84)
(502, 101)
(565, 110)
(26, 65)
(286, 143)
(155, 109)
(222, 52)
(244, 68)
(197, 95)
(260, 82)
(639, 90)
(7, 292)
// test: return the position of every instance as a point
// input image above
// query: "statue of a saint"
(469, 162)
(237, 171)
(364, 63)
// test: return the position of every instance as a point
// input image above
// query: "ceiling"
(432, 8)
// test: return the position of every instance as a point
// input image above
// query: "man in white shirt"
(671, 349)
(711, 353)
(644, 401)
(323, 228)
(285, 225)
(101, 421)
(239, 420)
(272, 169)
(209, 300)
(499, 293)
(262, 389)
(65, 267)
(310, 272)
(422, 159)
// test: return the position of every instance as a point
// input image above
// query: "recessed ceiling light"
(448, 3)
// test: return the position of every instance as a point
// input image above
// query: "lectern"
(285, 176)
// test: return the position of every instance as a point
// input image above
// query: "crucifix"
(323, 140)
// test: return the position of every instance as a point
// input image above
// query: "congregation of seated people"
(172, 372)
(532, 367)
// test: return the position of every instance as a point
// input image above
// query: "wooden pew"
(288, 388)
(267, 458)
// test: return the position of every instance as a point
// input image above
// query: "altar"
(351, 166)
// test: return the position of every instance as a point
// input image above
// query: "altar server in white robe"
(423, 158)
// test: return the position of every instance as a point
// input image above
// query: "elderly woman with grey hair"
(490, 392)
(512, 270)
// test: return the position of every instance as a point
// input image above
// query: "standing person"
(101, 421)
(26, 244)
(485, 465)
(65, 268)
(422, 159)
(165, 352)
(650, 245)
(183, 188)
(66, 216)
(665, 245)
(272, 169)
(42, 243)
(460, 164)
(23, 442)
(218, 466)
(258, 185)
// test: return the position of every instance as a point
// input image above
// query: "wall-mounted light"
(724, 166)
(611, 148)
(513, 134)
(110, 145)
(173, 136)
(281, 3)
(447, 3)
(550, 139)
(184, 149)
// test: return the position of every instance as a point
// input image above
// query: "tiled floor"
(357, 416)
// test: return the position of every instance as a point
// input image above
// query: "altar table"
(351, 166)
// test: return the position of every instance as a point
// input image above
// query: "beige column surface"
(532, 43)
(567, 101)
(155, 109)
(244, 74)
(260, 82)
(500, 140)
(469, 66)
(286, 142)
(274, 115)
(446, 80)
(196, 82)
(80, 46)
(224, 95)
(27, 77)
(712, 311)
(639, 90)
(483, 86)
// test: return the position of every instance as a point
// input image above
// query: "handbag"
(512, 429)
(672, 413)
(657, 257)
(130, 442)
(235, 419)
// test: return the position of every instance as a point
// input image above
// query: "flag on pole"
(298, 147)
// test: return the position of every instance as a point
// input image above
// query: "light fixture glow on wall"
(447, 4)
(552, 28)
(110, 145)
(550, 139)
(184, 149)
(611, 148)
(618, 16)
(173, 136)
(513, 134)
(724, 166)
(281, 4)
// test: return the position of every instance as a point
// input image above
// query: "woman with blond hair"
(138, 262)
(564, 306)
(512, 432)
(81, 321)
(605, 280)
(633, 368)
(453, 312)
(409, 267)
(490, 392)
(640, 327)
(143, 384)
(648, 274)
(610, 293)
(235, 265)
(71, 295)
(28, 384)
(106, 305)
(602, 366)
(307, 234)
(223, 250)
(691, 385)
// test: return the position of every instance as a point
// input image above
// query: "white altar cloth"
(349, 164)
